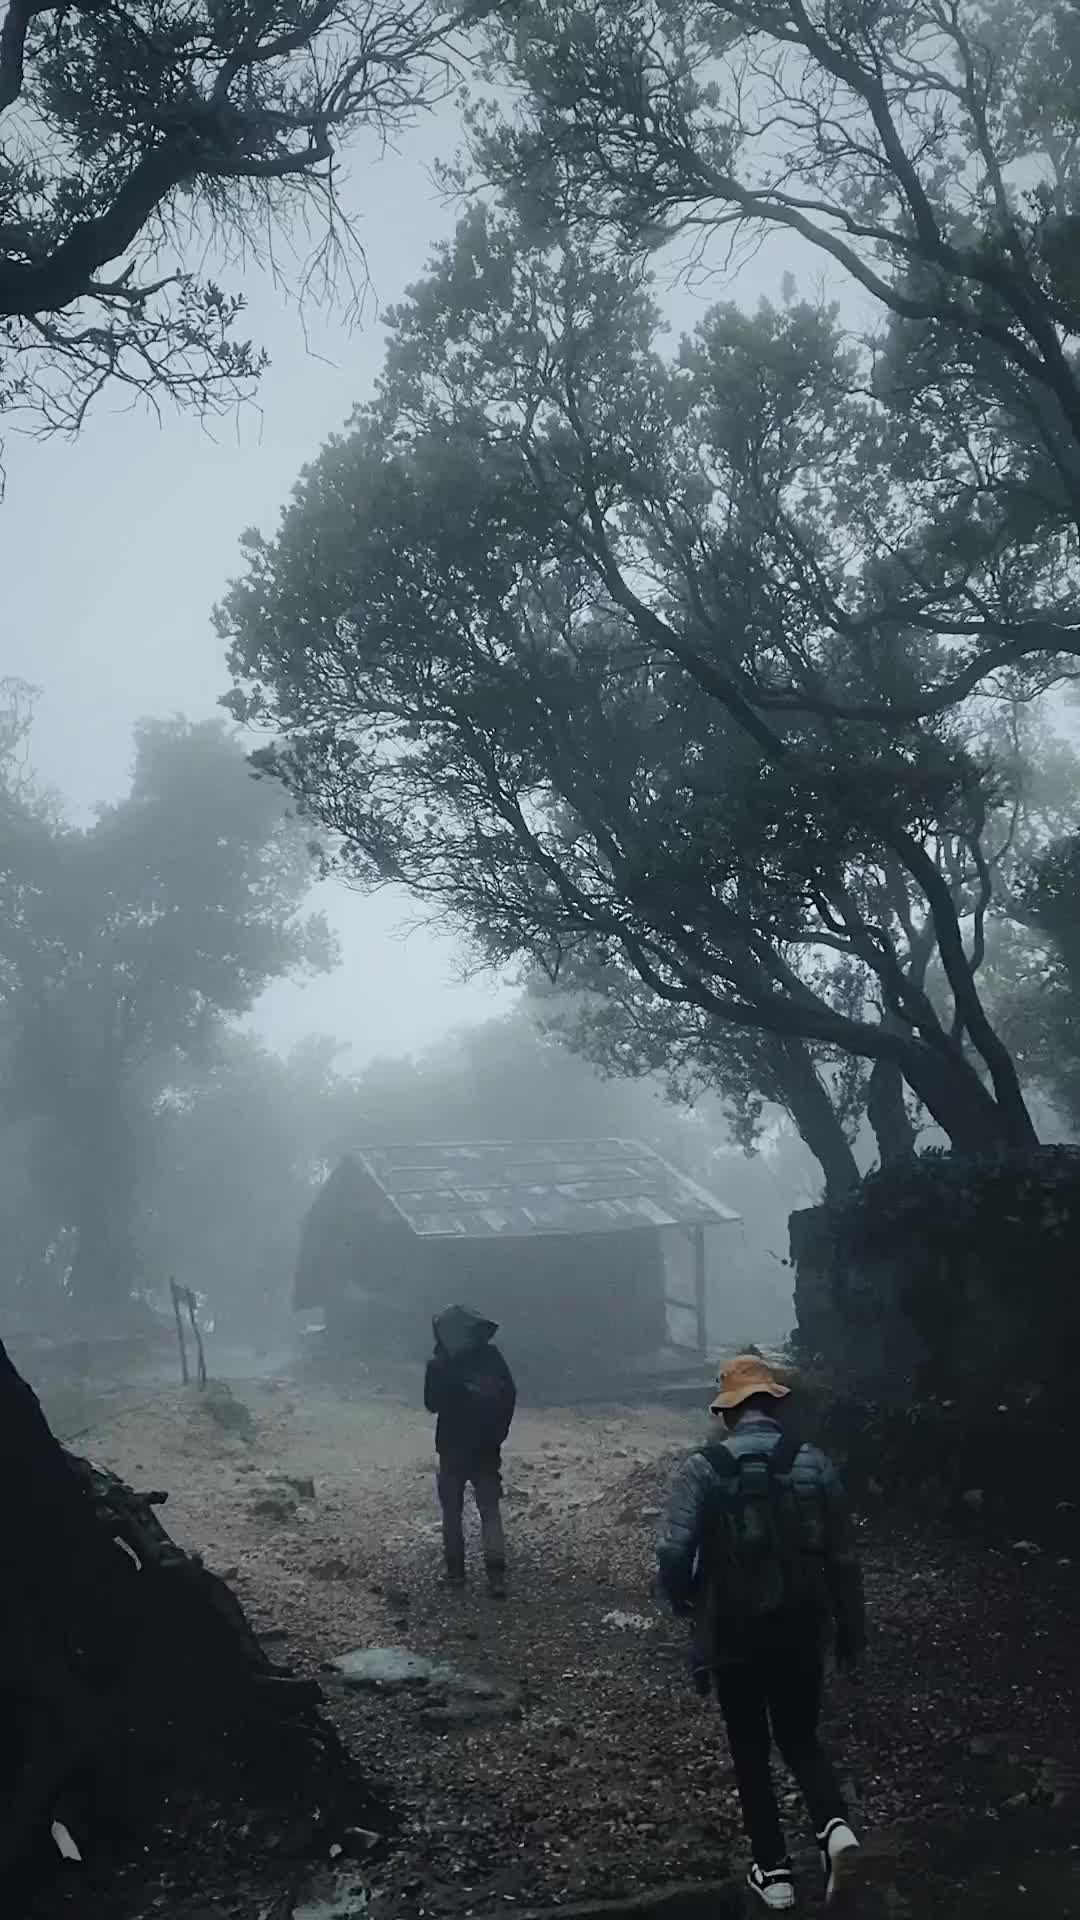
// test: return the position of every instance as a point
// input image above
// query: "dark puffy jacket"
(835, 1598)
(474, 1396)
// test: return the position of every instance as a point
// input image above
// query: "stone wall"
(938, 1315)
(945, 1276)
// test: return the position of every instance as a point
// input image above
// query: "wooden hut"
(563, 1242)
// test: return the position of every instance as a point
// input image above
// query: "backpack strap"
(721, 1459)
(785, 1453)
(779, 1459)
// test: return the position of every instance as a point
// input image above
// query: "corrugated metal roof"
(485, 1189)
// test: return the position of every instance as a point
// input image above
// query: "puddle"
(389, 1669)
(455, 1699)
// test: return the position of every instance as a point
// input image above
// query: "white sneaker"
(775, 1890)
(839, 1859)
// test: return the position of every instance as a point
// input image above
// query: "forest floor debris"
(959, 1746)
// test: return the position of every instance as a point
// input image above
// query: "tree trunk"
(1015, 1127)
(956, 1098)
(800, 1089)
(1019, 1126)
(103, 1272)
(888, 1115)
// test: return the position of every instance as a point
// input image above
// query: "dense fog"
(153, 1132)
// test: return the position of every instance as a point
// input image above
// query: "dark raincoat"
(469, 1386)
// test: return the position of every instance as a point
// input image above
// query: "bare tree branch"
(134, 113)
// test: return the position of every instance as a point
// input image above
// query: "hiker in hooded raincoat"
(760, 1553)
(470, 1387)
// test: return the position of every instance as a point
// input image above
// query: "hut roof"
(487, 1189)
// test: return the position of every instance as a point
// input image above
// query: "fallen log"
(127, 1668)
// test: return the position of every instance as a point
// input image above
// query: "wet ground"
(588, 1768)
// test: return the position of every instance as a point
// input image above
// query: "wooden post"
(190, 1297)
(699, 1291)
(175, 1291)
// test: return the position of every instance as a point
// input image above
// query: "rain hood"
(459, 1330)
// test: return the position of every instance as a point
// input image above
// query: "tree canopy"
(521, 629)
(928, 155)
(130, 132)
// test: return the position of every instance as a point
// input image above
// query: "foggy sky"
(114, 548)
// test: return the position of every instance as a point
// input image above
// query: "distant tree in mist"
(242, 1140)
(606, 1012)
(1045, 987)
(928, 155)
(132, 132)
(26, 821)
(505, 1080)
(522, 634)
(1035, 968)
(122, 948)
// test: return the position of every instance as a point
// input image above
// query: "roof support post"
(699, 1290)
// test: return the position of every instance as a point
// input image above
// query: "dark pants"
(776, 1695)
(455, 1474)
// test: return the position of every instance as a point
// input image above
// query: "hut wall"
(558, 1296)
(353, 1241)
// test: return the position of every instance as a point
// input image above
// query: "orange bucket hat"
(742, 1378)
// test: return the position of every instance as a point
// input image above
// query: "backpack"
(758, 1554)
(490, 1390)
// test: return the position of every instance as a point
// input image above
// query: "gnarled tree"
(512, 629)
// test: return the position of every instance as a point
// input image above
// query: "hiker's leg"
(451, 1484)
(795, 1684)
(487, 1486)
(741, 1693)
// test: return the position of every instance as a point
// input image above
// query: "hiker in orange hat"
(760, 1551)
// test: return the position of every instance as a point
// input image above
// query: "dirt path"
(961, 1749)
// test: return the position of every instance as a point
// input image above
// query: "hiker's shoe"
(454, 1577)
(775, 1888)
(496, 1581)
(839, 1860)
